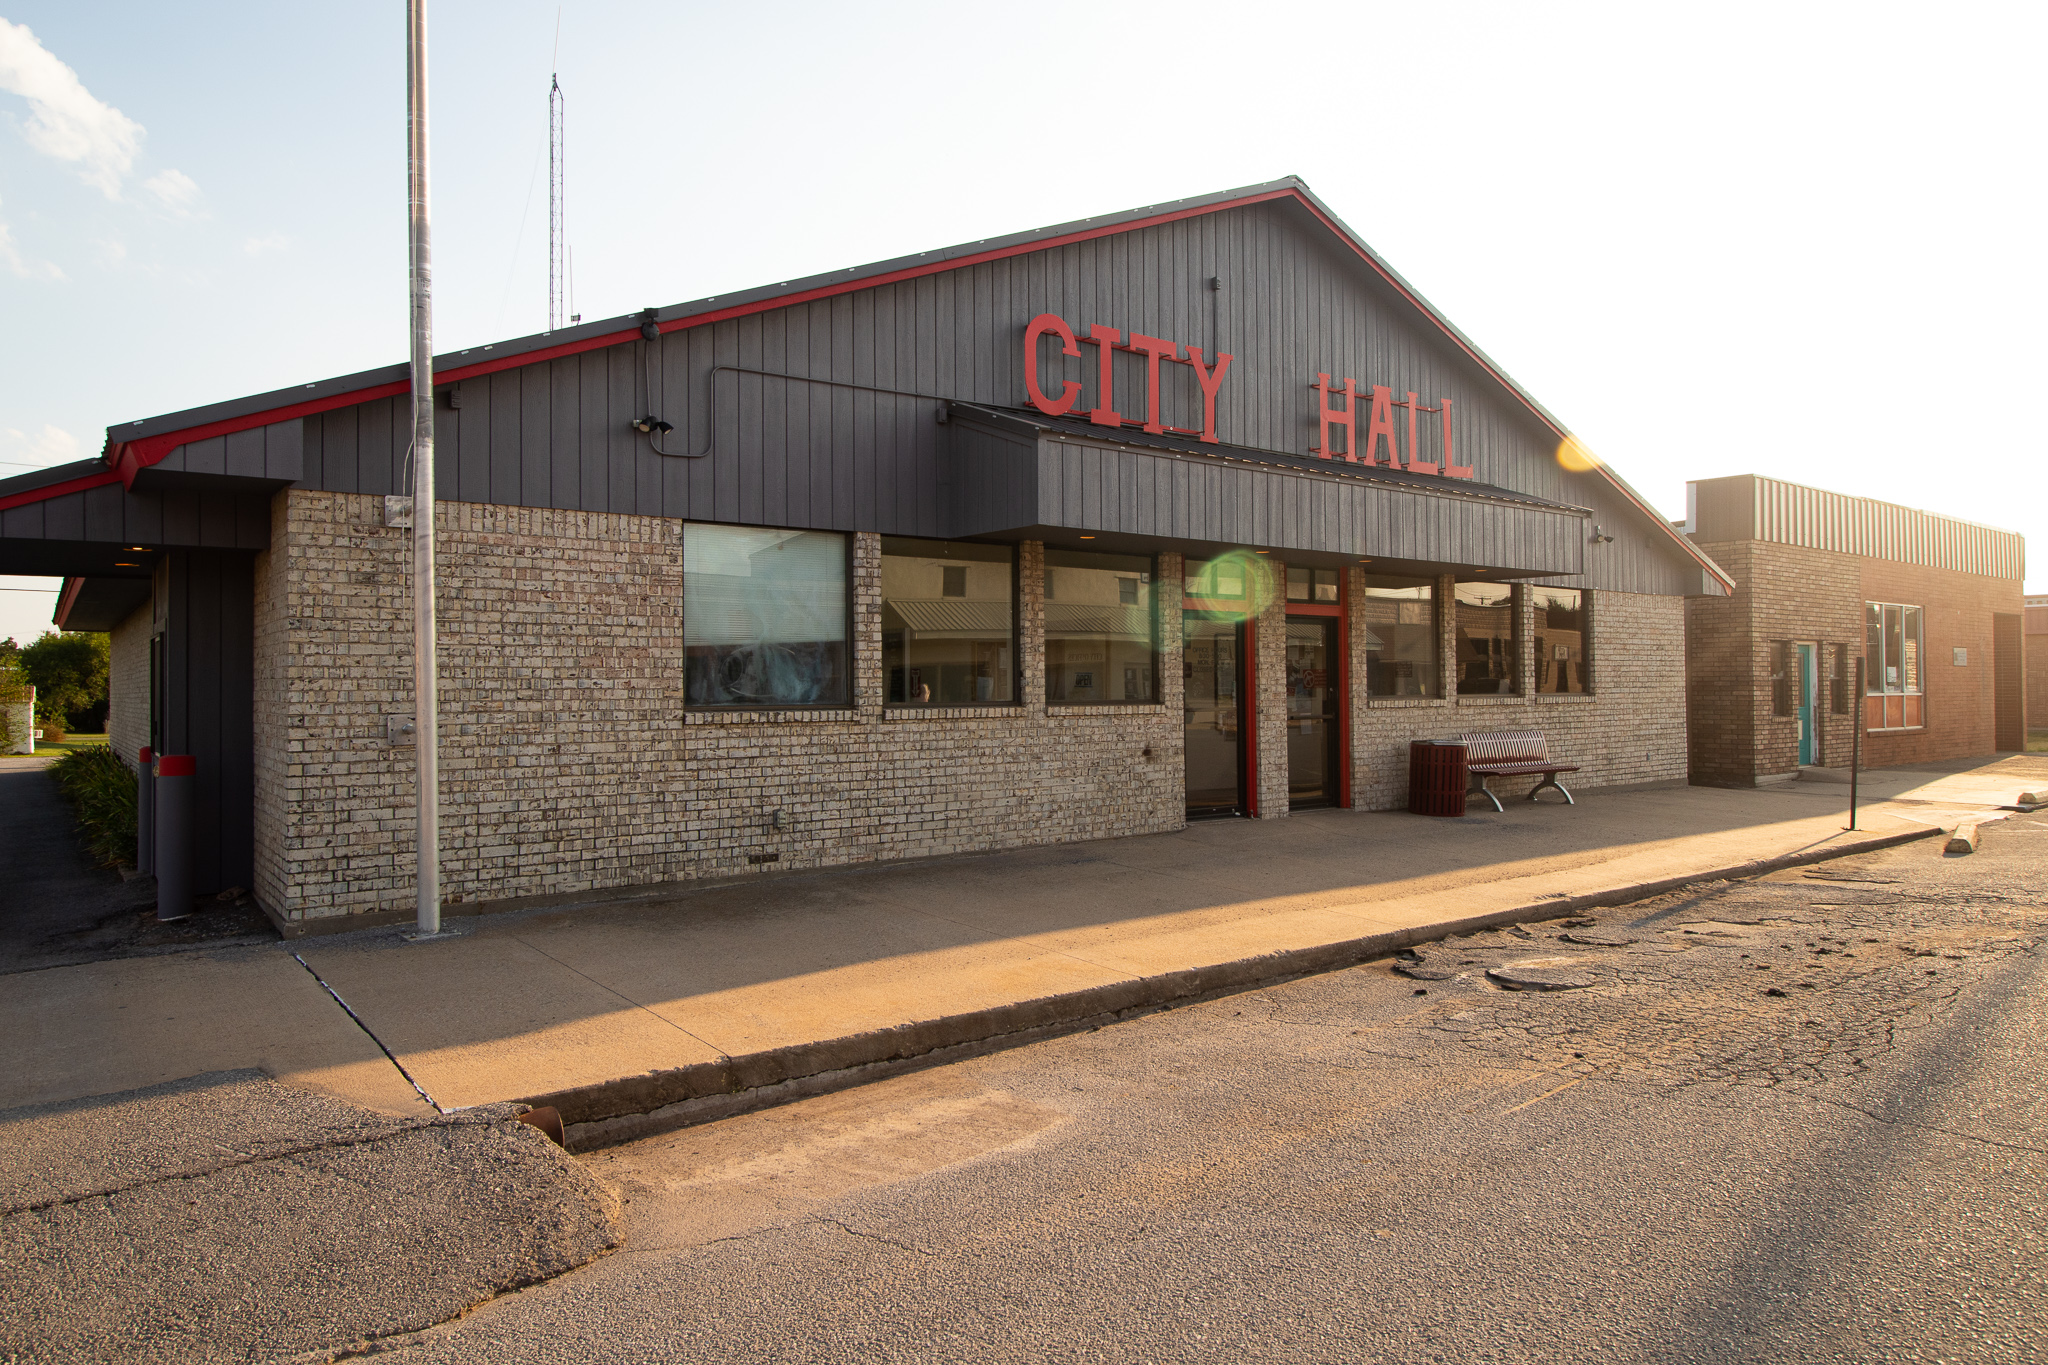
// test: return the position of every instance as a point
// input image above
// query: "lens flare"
(1573, 455)
(1237, 583)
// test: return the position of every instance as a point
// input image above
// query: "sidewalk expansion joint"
(370, 1034)
(613, 990)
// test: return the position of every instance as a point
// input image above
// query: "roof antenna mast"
(555, 185)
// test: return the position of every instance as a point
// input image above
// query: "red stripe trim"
(65, 601)
(1534, 411)
(58, 490)
(150, 449)
(177, 765)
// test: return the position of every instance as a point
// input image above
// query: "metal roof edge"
(43, 478)
(1865, 497)
(608, 331)
(629, 323)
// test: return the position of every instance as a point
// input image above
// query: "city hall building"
(1195, 510)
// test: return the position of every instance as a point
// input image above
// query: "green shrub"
(101, 788)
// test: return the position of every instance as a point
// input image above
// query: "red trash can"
(1436, 777)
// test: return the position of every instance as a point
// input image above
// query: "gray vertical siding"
(789, 451)
(207, 612)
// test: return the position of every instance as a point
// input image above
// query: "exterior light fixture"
(1087, 537)
(651, 423)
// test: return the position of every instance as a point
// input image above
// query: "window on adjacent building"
(1488, 639)
(948, 623)
(1782, 664)
(1311, 585)
(1399, 617)
(764, 617)
(1891, 673)
(1099, 628)
(1838, 684)
(1564, 644)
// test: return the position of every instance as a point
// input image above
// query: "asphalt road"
(227, 1218)
(1797, 1119)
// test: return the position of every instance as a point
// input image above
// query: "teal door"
(1805, 704)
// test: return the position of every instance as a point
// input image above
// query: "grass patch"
(101, 789)
(2037, 741)
(72, 742)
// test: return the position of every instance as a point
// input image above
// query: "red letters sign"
(1379, 429)
(1365, 415)
(1105, 340)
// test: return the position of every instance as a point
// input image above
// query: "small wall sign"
(1962, 658)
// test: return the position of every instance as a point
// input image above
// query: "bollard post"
(145, 811)
(175, 776)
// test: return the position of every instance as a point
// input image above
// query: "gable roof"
(132, 446)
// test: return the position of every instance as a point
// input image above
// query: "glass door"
(1311, 711)
(1805, 705)
(1212, 667)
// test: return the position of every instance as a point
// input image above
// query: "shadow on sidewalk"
(60, 907)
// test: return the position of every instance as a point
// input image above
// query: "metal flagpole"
(426, 748)
(1856, 742)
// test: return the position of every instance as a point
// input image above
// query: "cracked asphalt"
(1796, 1118)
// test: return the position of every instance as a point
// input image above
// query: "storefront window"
(1311, 585)
(1892, 654)
(1216, 580)
(1489, 645)
(1400, 637)
(1099, 630)
(948, 623)
(1563, 650)
(764, 617)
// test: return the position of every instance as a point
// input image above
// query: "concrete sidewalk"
(638, 1014)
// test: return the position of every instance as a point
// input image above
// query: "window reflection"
(764, 617)
(1562, 652)
(1399, 615)
(1098, 628)
(948, 628)
(1488, 644)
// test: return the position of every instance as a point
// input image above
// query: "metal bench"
(1511, 753)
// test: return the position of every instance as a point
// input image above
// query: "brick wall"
(2036, 646)
(273, 722)
(568, 763)
(128, 685)
(1270, 691)
(1788, 593)
(1629, 728)
(1956, 611)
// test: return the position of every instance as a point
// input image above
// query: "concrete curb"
(632, 1107)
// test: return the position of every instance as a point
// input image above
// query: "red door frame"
(1341, 669)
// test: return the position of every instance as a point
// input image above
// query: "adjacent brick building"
(1071, 534)
(1929, 603)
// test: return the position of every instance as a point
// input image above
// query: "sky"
(1798, 240)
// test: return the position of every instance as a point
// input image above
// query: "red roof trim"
(1600, 466)
(58, 490)
(130, 456)
(66, 600)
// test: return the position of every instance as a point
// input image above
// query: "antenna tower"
(554, 203)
